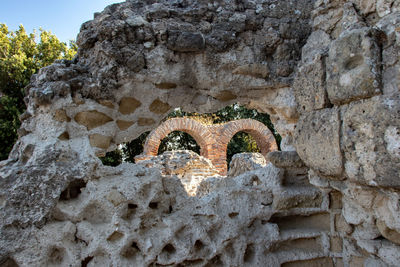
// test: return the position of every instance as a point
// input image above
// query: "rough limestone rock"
(244, 162)
(317, 141)
(371, 141)
(357, 131)
(133, 215)
(353, 66)
(190, 167)
(326, 71)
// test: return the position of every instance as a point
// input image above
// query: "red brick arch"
(212, 139)
(197, 130)
(261, 134)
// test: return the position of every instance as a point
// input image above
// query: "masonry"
(212, 139)
(326, 71)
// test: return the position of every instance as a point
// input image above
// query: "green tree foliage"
(113, 158)
(125, 152)
(21, 56)
(241, 142)
(134, 148)
(178, 140)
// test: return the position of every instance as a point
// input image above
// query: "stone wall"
(327, 71)
(212, 139)
(347, 90)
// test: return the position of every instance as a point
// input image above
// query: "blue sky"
(61, 17)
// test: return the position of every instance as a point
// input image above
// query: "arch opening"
(178, 140)
(125, 152)
(241, 142)
(207, 134)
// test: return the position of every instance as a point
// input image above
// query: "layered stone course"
(212, 139)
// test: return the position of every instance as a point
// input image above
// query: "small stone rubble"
(187, 165)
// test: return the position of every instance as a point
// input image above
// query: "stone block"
(100, 141)
(128, 105)
(317, 45)
(336, 244)
(357, 261)
(225, 96)
(298, 198)
(341, 226)
(309, 86)
(353, 66)
(244, 162)
(370, 141)
(335, 200)
(61, 116)
(339, 262)
(316, 222)
(159, 107)
(318, 262)
(186, 41)
(146, 121)
(317, 141)
(92, 119)
(285, 159)
(107, 103)
(388, 233)
(123, 125)
(254, 70)
(303, 244)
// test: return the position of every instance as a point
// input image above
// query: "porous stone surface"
(371, 141)
(353, 70)
(285, 159)
(138, 60)
(317, 141)
(358, 133)
(190, 167)
(134, 215)
(244, 162)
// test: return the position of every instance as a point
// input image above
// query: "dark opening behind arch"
(178, 140)
(241, 142)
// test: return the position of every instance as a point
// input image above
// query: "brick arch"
(212, 139)
(197, 130)
(262, 135)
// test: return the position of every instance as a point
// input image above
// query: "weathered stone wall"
(347, 90)
(326, 71)
(212, 139)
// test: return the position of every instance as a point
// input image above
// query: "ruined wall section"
(347, 90)
(133, 215)
(132, 69)
(138, 60)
